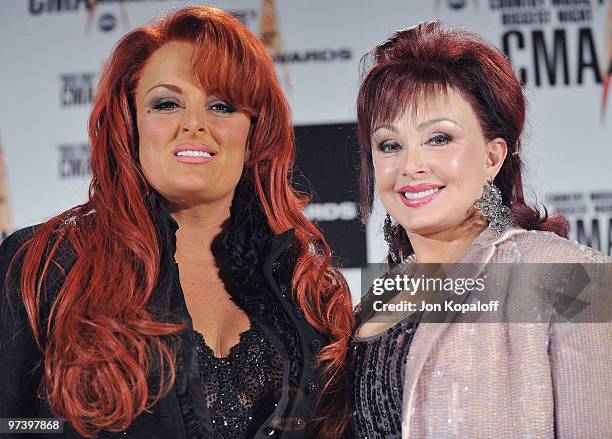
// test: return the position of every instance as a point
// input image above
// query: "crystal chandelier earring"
(490, 204)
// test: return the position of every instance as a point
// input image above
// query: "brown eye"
(440, 140)
(389, 146)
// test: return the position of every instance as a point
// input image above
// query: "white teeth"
(193, 154)
(417, 195)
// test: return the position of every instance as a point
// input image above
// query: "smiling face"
(431, 166)
(192, 145)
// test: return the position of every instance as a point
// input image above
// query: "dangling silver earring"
(490, 204)
(391, 236)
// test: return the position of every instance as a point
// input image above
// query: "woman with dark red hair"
(189, 297)
(440, 119)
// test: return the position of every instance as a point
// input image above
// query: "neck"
(444, 247)
(199, 226)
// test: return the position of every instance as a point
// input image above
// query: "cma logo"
(106, 21)
(550, 59)
(320, 212)
(74, 161)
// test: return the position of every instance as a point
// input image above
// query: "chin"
(422, 230)
(423, 226)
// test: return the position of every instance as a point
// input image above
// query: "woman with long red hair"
(189, 296)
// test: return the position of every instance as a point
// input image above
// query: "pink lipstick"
(194, 153)
(420, 194)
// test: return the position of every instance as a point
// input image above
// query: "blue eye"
(440, 140)
(222, 107)
(389, 146)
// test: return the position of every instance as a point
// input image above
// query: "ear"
(497, 149)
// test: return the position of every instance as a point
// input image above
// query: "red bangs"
(227, 73)
(397, 89)
(229, 60)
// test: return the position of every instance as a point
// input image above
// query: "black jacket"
(261, 269)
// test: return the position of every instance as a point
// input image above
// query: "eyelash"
(225, 108)
(387, 145)
(391, 146)
(445, 137)
(165, 105)
(169, 105)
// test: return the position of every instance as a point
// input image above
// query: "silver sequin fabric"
(378, 382)
(514, 379)
(241, 390)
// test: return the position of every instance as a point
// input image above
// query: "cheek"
(233, 138)
(385, 172)
(454, 168)
(155, 131)
(463, 173)
(462, 167)
(238, 140)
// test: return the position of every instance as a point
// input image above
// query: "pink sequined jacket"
(512, 379)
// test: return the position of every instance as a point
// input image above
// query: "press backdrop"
(51, 53)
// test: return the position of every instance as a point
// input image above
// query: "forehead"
(447, 103)
(170, 62)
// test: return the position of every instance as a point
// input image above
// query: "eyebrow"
(430, 122)
(420, 126)
(385, 127)
(170, 87)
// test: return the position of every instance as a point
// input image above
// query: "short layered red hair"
(424, 61)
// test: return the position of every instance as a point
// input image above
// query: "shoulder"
(12, 242)
(552, 274)
(537, 246)
(12, 252)
(11, 245)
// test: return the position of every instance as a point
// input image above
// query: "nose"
(194, 121)
(415, 162)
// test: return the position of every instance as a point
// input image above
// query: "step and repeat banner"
(52, 51)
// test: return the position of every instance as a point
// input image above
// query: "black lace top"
(378, 383)
(242, 389)
(261, 269)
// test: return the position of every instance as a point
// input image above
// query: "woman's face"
(192, 144)
(431, 166)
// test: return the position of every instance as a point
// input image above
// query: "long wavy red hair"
(99, 341)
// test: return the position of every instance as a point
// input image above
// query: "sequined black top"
(378, 384)
(242, 389)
